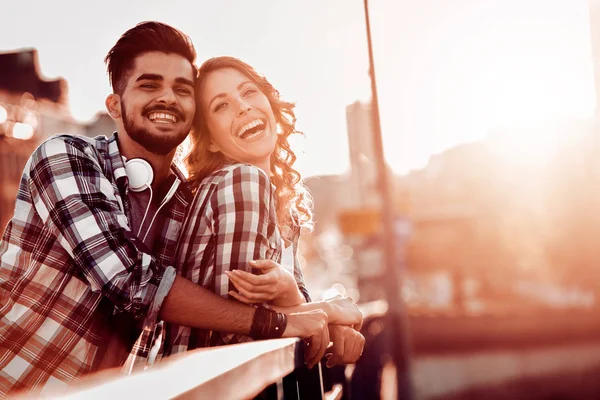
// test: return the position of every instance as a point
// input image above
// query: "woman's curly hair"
(294, 204)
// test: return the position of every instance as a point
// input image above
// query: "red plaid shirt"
(232, 220)
(68, 262)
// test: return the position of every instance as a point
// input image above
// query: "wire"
(146, 213)
(168, 196)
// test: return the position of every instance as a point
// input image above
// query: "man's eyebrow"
(157, 77)
(184, 81)
(224, 95)
(149, 77)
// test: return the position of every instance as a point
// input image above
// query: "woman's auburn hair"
(294, 203)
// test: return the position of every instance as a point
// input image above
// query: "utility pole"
(396, 318)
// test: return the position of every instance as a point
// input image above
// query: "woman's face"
(239, 117)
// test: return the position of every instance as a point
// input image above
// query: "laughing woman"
(249, 204)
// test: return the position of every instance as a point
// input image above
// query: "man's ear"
(113, 105)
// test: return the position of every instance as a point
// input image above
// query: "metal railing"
(274, 369)
(270, 369)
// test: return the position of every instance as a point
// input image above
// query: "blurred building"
(32, 109)
(331, 195)
(102, 124)
(363, 161)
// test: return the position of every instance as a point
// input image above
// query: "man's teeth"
(248, 126)
(162, 117)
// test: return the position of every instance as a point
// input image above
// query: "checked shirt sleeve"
(241, 206)
(77, 202)
(298, 275)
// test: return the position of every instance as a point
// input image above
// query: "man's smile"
(163, 117)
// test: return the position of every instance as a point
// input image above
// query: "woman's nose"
(243, 108)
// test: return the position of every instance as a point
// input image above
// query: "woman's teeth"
(252, 134)
(249, 126)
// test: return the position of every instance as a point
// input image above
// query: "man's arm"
(191, 305)
(77, 203)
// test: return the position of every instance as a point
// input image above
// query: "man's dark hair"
(143, 38)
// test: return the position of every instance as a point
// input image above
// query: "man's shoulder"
(61, 143)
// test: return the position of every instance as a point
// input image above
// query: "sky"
(447, 71)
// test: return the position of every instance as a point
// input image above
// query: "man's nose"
(167, 96)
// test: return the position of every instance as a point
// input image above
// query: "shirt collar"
(121, 176)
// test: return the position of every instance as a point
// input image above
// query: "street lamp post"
(396, 318)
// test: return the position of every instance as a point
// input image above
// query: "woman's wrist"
(293, 297)
(324, 306)
(330, 311)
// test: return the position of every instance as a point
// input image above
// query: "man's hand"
(347, 346)
(274, 285)
(312, 327)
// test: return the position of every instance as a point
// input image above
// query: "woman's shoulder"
(235, 173)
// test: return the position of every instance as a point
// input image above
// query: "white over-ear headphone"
(140, 174)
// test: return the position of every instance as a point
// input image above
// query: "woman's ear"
(113, 105)
(213, 147)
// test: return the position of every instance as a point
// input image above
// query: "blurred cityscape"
(486, 228)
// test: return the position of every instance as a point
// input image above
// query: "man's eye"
(148, 86)
(184, 91)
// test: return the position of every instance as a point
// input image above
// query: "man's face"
(157, 104)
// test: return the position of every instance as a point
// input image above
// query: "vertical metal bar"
(290, 387)
(397, 321)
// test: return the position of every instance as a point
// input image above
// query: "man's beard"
(160, 145)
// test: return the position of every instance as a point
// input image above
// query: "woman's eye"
(220, 106)
(249, 92)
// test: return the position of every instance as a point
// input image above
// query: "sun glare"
(510, 74)
(22, 131)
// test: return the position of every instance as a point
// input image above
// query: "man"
(73, 260)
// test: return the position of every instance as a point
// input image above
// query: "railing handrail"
(244, 370)
(234, 371)
(215, 373)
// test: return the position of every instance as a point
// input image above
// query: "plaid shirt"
(68, 262)
(232, 220)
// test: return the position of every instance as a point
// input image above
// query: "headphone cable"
(145, 214)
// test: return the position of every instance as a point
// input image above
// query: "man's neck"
(161, 165)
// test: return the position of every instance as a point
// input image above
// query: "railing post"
(303, 383)
(397, 319)
(290, 387)
(310, 383)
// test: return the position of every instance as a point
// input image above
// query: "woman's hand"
(347, 347)
(275, 285)
(343, 311)
(339, 310)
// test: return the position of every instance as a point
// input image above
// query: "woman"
(249, 204)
